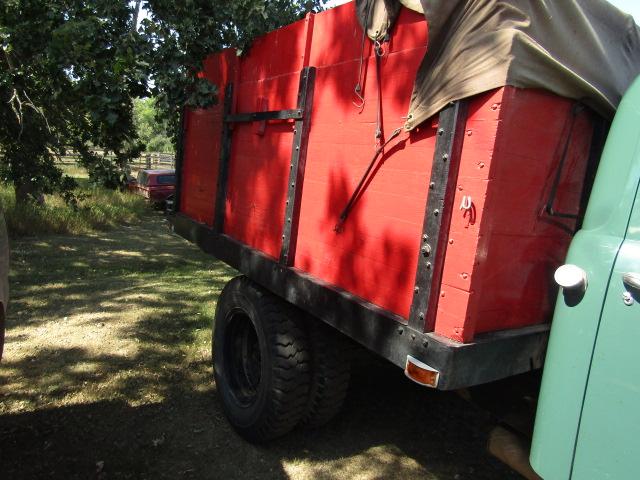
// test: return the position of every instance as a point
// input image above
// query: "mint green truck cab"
(588, 419)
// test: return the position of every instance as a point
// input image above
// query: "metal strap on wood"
(262, 116)
(179, 160)
(302, 115)
(225, 155)
(297, 166)
(444, 174)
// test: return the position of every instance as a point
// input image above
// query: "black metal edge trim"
(598, 139)
(297, 166)
(437, 216)
(179, 159)
(223, 168)
(490, 357)
(296, 114)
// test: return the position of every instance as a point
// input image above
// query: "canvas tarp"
(586, 50)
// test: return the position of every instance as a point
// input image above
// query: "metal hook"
(357, 90)
(466, 203)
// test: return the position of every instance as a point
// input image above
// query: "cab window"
(143, 178)
(166, 180)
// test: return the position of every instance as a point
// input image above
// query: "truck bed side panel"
(501, 256)
(500, 252)
(261, 152)
(375, 254)
(202, 142)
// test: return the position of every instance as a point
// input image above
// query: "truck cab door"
(608, 443)
(588, 416)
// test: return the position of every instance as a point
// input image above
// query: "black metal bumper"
(490, 357)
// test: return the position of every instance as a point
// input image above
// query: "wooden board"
(498, 271)
(202, 142)
(260, 154)
(375, 256)
(500, 254)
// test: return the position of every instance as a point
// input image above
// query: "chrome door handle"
(571, 278)
(632, 280)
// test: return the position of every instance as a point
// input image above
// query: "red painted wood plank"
(259, 166)
(516, 246)
(202, 142)
(498, 263)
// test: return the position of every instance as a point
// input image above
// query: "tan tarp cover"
(379, 15)
(587, 50)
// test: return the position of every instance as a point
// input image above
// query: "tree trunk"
(25, 192)
(136, 15)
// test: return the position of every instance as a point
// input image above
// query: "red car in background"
(155, 185)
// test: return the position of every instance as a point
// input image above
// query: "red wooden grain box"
(523, 156)
(500, 254)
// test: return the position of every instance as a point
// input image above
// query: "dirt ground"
(107, 374)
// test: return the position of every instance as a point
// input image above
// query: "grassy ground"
(107, 374)
(97, 209)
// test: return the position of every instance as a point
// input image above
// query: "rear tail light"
(421, 372)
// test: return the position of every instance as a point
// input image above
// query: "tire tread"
(331, 373)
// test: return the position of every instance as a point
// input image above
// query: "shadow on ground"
(107, 375)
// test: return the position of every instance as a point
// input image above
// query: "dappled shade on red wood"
(501, 252)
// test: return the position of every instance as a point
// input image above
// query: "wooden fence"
(146, 160)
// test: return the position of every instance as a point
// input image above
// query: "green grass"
(98, 209)
(107, 374)
(74, 170)
(112, 304)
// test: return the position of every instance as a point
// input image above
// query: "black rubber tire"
(264, 399)
(331, 372)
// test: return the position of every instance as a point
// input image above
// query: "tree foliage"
(153, 133)
(183, 33)
(70, 69)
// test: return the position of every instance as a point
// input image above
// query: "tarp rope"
(357, 90)
(379, 134)
(357, 192)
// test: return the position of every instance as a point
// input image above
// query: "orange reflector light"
(421, 373)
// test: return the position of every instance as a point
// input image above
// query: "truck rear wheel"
(261, 361)
(331, 371)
